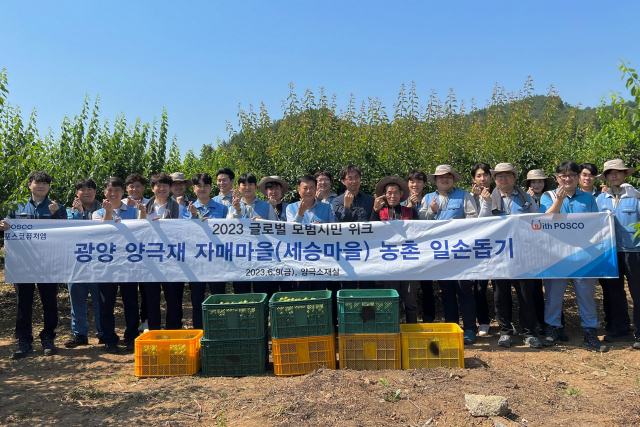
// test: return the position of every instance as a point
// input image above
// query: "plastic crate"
(296, 356)
(368, 311)
(370, 351)
(432, 345)
(168, 353)
(301, 318)
(233, 319)
(234, 358)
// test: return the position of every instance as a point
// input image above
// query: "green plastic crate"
(301, 318)
(234, 358)
(234, 321)
(368, 311)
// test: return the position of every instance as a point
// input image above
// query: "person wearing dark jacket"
(37, 207)
(161, 206)
(390, 193)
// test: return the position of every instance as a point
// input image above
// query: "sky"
(202, 59)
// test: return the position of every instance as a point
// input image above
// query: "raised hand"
(180, 200)
(78, 205)
(531, 192)
(106, 204)
(193, 210)
(434, 205)
(379, 203)
(561, 194)
(4, 225)
(53, 207)
(476, 191)
(302, 207)
(604, 188)
(348, 199)
(131, 202)
(236, 200)
(485, 194)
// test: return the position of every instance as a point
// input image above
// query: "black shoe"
(48, 347)
(111, 348)
(592, 342)
(619, 337)
(101, 340)
(24, 348)
(130, 346)
(636, 344)
(76, 341)
(553, 335)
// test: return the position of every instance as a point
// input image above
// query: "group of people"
(540, 303)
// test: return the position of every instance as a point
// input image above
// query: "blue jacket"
(30, 211)
(455, 205)
(627, 213)
(213, 210)
(86, 214)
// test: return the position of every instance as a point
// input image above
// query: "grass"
(572, 391)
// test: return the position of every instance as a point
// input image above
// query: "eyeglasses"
(570, 176)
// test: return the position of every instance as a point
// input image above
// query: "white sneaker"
(483, 330)
(144, 327)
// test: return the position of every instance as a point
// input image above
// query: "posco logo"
(556, 225)
(21, 227)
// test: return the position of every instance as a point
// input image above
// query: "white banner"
(522, 246)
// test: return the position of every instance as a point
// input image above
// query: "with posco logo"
(556, 225)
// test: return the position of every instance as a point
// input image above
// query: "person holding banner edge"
(113, 209)
(623, 202)
(567, 198)
(37, 207)
(390, 192)
(509, 199)
(447, 203)
(84, 205)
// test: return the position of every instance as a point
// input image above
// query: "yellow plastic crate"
(432, 345)
(168, 353)
(297, 356)
(370, 351)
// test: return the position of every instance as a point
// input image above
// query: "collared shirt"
(329, 200)
(507, 202)
(248, 210)
(211, 210)
(469, 205)
(224, 200)
(318, 212)
(360, 210)
(580, 202)
(123, 212)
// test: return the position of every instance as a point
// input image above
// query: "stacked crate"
(432, 345)
(235, 335)
(302, 338)
(369, 332)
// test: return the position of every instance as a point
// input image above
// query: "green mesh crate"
(227, 316)
(234, 358)
(368, 311)
(300, 317)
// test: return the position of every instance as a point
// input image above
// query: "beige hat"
(504, 167)
(443, 170)
(615, 164)
(274, 178)
(536, 174)
(380, 187)
(179, 176)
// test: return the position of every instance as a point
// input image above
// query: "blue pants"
(78, 294)
(585, 289)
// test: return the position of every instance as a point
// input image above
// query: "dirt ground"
(566, 385)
